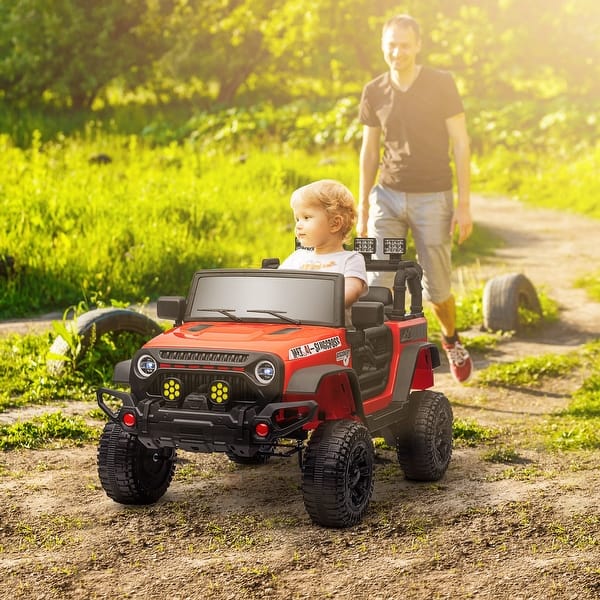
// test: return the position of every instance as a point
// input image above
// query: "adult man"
(419, 113)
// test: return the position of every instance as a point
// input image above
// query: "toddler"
(325, 215)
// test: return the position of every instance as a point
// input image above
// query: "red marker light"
(128, 419)
(262, 429)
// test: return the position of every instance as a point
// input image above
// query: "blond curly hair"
(334, 197)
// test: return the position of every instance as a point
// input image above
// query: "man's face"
(400, 48)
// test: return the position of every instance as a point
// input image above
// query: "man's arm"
(459, 138)
(368, 165)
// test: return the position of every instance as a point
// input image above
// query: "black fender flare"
(307, 381)
(384, 422)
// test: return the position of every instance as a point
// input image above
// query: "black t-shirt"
(415, 138)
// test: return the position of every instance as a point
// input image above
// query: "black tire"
(129, 472)
(337, 482)
(92, 325)
(424, 442)
(257, 459)
(503, 296)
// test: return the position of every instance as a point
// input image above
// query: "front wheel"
(424, 442)
(338, 473)
(129, 472)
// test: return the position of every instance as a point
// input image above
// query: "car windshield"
(257, 295)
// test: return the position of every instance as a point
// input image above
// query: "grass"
(82, 233)
(530, 371)
(468, 432)
(502, 454)
(553, 179)
(50, 428)
(591, 284)
(577, 427)
(140, 226)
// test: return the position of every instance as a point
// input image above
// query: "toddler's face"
(313, 226)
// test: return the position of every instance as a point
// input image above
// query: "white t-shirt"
(348, 262)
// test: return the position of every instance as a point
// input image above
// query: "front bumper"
(157, 425)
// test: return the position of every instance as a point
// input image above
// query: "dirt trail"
(521, 529)
(553, 250)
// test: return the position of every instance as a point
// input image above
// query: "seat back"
(378, 293)
(371, 347)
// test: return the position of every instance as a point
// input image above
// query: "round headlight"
(265, 371)
(146, 365)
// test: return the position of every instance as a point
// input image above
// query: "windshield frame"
(312, 298)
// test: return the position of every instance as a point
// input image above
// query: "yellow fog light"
(172, 389)
(219, 392)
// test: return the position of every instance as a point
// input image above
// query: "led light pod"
(219, 392)
(172, 389)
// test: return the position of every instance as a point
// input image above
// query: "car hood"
(266, 337)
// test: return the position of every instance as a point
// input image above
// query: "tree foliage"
(67, 51)
(232, 52)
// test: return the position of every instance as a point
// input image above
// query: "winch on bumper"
(244, 428)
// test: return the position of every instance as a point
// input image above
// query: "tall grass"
(211, 191)
(563, 182)
(141, 224)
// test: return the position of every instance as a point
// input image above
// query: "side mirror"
(171, 308)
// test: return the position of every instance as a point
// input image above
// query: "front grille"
(240, 388)
(199, 356)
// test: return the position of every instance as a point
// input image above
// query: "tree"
(66, 51)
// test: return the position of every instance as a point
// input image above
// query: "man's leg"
(387, 219)
(430, 216)
(445, 313)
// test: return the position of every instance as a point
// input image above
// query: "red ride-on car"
(259, 363)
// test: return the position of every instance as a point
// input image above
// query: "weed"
(25, 379)
(529, 371)
(470, 433)
(573, 434)
(501, 454)
(527, 473)
(578, 426)
(43, 430)
(481, 344)
(591, 284)
(49, 531)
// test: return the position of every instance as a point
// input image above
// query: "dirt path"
(527, 529)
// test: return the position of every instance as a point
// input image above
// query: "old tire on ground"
(93, 324)
(129, 472)
(424, 441)
(337, 481)
(503, 296)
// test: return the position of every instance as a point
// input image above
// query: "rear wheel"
(129, 472)
(337, 481)
(424, 444)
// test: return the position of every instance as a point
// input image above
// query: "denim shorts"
(428, 216)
